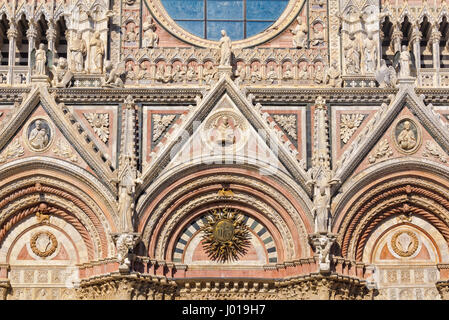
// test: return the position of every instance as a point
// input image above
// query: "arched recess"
(176, 203)
(46, 203)
(397, 221)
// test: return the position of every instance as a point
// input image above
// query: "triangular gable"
(380, 123)
(242, 144)
(63, 120)
(260, 121)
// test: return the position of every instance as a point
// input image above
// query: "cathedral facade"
(224, 149)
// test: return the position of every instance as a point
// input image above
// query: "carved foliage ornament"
(13, 150)
(161, 123)
(383, 149)
(288, 123)
(349, 123)
(225, 235)
(43, 244)
(100, 124)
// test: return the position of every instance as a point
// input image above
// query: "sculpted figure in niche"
(97, 53)
(370, 54)
(39, 136)
(225, 131)
(407, 138)
(78, 50)
(404, 61)
(272, 74)
(352, 57)
(209, 73)
(150, 38)
(332, 77)
(225, 49)
(318, 34)
(41, 60)
(178, 73)
(191, 73)
(304, 72)
(288, 74)
(299, 35)
(255, 74)
(319, 74)
(321, 209)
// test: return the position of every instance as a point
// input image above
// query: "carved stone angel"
(386, 76)
(40, 59)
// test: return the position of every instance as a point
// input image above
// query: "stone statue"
(370, 54)
(288, 74)
(225, 131)
(39, 137)
(209, 73)
(61, 74)
(299, 35)
(225, 49)
(78, 51)
(125, 243)
(255, 74)
(40, 60)
(332, 76)
(318, 35)
(407, 138)
(150, 38)
(404, 61)
(97, 53)
(319, 74)
(272, 74)
(303, 72)
(191, 73)
(112, 77)
(321, 209)
(352, 57)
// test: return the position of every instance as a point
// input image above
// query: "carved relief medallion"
(404, 243)
(43, 244)
(407, 136)
(225, 129)
(38, 135)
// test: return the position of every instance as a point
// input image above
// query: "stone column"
(31, 35)
(12, 36)
(435, 37)
(396, 37)
(416, 43)
(51, 36)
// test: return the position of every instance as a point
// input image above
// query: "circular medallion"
(225, 129)
(407, 136)
(225, 235)
(224, 230)
(404, 243)
(38, 135)
(43, 244)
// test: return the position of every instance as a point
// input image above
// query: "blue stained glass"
(179, 10)
(264, 10)
(195, 27)
(229, 15)
(224, 10)
(233, 29)
(253, 28)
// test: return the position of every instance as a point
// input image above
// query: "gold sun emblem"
(225, 235)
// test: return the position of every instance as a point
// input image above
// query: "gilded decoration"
(407, 136)
(226, 237)
(39, 134)
(43, 244)
(404, 243)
